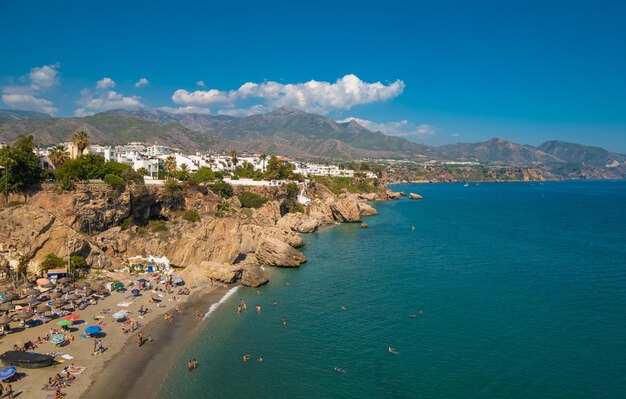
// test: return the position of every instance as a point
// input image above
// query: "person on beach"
(95, 346)
(2, 388)
(139, 339)
(9, 391)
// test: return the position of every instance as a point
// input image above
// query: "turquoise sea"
(522, 288)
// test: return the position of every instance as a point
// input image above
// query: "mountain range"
(289, 131)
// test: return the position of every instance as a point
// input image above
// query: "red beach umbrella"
(72, 317)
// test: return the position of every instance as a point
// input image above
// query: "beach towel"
(68, 357)
(76, 369)
(124, 304)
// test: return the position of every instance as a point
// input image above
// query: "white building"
(151, 165)
(108, 153)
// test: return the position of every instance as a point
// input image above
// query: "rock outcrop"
(30, 232)
(224, 273)
(273, 252)
(253, 276)
(414, 196)
(299, 222)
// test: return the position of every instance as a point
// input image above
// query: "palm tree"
(170, 164)
(263, 157)
(233, 157)
(81, 140)
(58, 155)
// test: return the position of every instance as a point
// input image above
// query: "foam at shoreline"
(225, 298)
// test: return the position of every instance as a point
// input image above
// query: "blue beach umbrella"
(7, 372)
(142, 280)
(93, 329)
(135, 292)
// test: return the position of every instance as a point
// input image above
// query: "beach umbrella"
(48, 286)
(93, 329)
(82, 284)
(73, 296)
(135, 292)
(57, 339)
(43, 308)
(42, 281)
(33, 303)
(64, 323)
(65, 290)
(118, 285)
(4, 319)
(24, 316)
(55, 295)
(59, 302)
(7, 306)
(32, 291)
(9, 296)
(142, 281)
(65, 280)
(7, 372)
(72, 317)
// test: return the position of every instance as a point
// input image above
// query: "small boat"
(466, 184)
(29, 360)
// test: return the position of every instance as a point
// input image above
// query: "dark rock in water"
(253, 276)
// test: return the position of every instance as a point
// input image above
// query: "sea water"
(521, 287)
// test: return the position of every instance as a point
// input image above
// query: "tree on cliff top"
(20, 166)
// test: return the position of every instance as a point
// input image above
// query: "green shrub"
(157, 226)
(251, 200)
(116, 182)
(51, 262)
(222, 189)
(126, 223)
(191, 216)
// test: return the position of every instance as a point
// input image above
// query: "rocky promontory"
(223, 241)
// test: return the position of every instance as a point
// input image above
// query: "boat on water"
(29, 360)
(466, 184)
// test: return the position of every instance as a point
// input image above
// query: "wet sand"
(137, 373)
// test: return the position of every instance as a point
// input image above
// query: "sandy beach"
(122, 361)
(139, 372)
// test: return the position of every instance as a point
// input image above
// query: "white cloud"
(312, 96)
(200, 83)
(142, 82)
(105, 83)
(454, 135)
(186, 110)
(104, 100)
(29, 102)
(402, 128)
(44, 77)
(26, 97)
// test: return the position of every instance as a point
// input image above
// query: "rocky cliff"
(108, 227)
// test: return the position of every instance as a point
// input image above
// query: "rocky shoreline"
(228, 243)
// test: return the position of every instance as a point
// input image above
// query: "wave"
(225, 298)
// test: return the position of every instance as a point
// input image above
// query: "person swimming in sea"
(339, 370)
(246, 358)
(392, 350)
(284, 322)
(258, 308)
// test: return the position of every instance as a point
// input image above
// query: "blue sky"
(435, 72)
